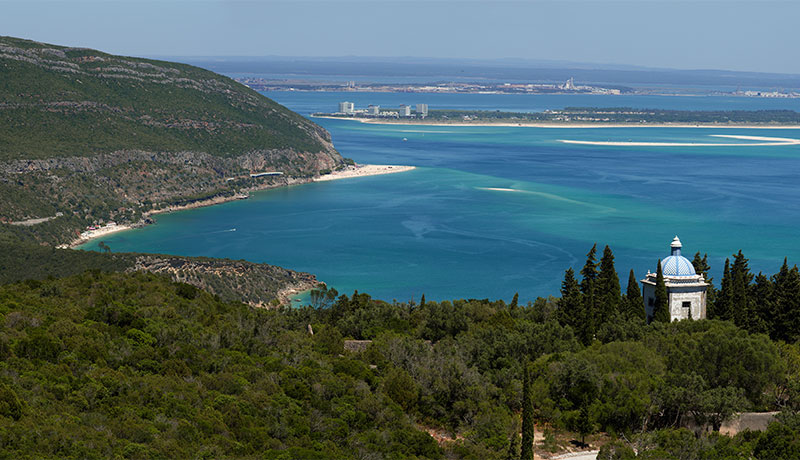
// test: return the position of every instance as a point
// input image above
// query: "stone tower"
(686, 290)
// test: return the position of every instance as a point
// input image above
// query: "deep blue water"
(441, 229)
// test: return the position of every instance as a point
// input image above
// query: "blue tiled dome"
(676, 264)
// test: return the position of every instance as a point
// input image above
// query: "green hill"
(86, 136)
(130, 365)
(62, 102)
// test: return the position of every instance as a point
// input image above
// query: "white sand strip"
(363, 170)
(527, 124)
(88, 235)
(761, 141)
(103, 231)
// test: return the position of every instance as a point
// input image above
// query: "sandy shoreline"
(377, 121)
(346, 173)
(89, 235)
(363, 170)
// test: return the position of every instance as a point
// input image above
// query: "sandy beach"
(88, 235)
(382, 121)
(346, 173)
(363, 170)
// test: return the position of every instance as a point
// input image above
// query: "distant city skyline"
(745, 35)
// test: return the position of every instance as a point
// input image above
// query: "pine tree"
(608, 289)
(571, 307)
(527, 416)
(589, 290)
(633, 298)
(661, 302)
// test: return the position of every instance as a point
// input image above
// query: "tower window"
(687, 305)
(650, 302)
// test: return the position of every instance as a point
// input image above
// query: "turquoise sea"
(491, 211)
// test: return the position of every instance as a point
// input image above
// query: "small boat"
(405, 139)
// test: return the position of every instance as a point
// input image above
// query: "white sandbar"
(760, 141)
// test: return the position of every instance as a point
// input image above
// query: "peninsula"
(586, 117)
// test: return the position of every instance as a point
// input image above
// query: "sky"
(749, 35)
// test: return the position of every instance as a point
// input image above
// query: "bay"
(491, 211)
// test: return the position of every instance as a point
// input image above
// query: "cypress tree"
(527, 416)
(514, 301)
(608, 289)
(764, 306)
(633, 298)
(701, 267)
(661, 301)
(787, 304)
(422, 301)
(721, 307)
(584, 422)
(740, 305)
(571, 307)
(589, 289)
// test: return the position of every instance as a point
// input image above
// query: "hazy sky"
(757, 35)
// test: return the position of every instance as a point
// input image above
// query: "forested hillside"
(259, 285)
(88, 137)
(131, 365)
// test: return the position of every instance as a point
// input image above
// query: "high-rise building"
(346, 107)
(405, 111)
(374, 110)
(422, 109)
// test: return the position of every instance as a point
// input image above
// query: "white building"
(346, 107)
(686, 290)
(374, 110)
(405, 111)
(422, 109)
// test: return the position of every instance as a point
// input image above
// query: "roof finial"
(676, 242)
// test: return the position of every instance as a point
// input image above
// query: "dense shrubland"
(99, 365)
